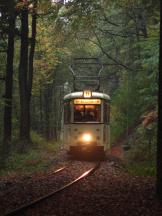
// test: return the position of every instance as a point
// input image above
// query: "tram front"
(84, 129)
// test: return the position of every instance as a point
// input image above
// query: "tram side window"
(67, 113)
(106, 113)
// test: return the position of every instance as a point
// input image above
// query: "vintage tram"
(87, 123)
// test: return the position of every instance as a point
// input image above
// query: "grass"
(38, 157)
(146, 168)
(141, 158)
(141, 161)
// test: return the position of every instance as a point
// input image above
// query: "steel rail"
(31, 204)
(57, 171)
(44, 177)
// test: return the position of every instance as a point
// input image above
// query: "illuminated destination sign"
(87, 101)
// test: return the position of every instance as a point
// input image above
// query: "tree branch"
(108, 56)
(120, 35)
(108, 21)
(112, 33)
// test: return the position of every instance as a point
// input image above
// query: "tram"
(87, 123)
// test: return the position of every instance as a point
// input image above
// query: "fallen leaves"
(110, 191)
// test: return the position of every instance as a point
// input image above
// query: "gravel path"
(110, 191)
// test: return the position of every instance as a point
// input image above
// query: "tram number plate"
(87, 94)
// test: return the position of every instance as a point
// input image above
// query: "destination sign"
(87, 101)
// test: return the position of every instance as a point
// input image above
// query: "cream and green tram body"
(87, 123)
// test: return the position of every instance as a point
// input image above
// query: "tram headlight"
(87, 137)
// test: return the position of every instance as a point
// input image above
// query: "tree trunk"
(159, 141)
(41, 128)
(32, 49)
(26, 71)
(8, 86)
(53, 113)
(47, 112)
(31, 60)
(23, 76)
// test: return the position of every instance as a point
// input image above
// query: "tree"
(26, 68)
(23, 76)
(9, 80)
(159, 141)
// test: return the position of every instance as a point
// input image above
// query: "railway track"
(22, 208)
(51, 173)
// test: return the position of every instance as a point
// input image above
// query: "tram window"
(78, 113)
(86, 113)
(67, 112)
(106, 113)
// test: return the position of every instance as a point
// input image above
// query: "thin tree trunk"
(41, 128)
(47, 112)
(53, 113)
(32, 49)
(8, 87)
(23, 76)
(31, 60)
(159, 141)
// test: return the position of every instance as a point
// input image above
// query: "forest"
(39, 40)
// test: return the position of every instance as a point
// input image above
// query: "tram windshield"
(87, 113)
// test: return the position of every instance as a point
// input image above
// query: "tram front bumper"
(86, 149)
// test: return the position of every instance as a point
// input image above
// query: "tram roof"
(80, 95)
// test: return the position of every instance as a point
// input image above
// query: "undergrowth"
(146, 168)
(141, 158)
(38, 157)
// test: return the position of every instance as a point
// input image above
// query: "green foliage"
(37, 158)
(41, 144)
(142, 169)
(127, 105)
(137, 90)
(141, 158)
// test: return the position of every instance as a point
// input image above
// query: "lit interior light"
(87, 137)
